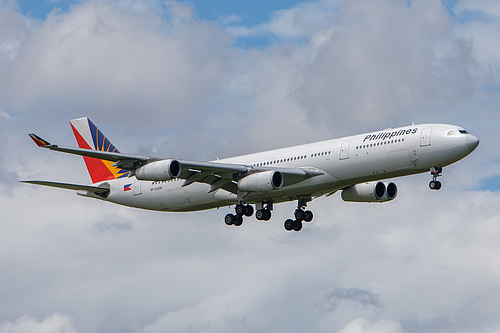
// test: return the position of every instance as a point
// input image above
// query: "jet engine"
(370, 192)
(261, 182)
(160, 170)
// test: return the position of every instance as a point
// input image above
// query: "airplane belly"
(199, 198)
(164, 196)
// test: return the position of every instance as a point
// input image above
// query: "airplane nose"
(472, 142)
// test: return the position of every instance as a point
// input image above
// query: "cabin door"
(344, 150)
(425, 139)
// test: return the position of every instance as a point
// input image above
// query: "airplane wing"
(125, 161)
(226, 175)
(216, 174)
(68, 186)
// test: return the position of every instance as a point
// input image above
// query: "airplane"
(355, 165)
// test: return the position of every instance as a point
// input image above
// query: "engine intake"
(160, 170)
(261, 182)
(370, 192)
(391, 191)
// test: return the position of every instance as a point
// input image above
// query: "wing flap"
(224, 170)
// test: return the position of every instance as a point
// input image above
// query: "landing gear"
(300, 216)
(230, 219)
(240, 210)
(435, 184)
(293, 225)
(263, 215)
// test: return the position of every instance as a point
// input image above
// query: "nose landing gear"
(435, 184)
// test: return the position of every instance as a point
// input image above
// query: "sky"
(201, 80)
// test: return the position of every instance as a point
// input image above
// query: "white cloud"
(55, 323)
(481, 26)
(5, 115)
(13, 30)
(294, 23)
(364, 326)
(112, 60)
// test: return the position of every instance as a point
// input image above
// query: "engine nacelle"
(261, 182)
(370, 192)
(160, 170)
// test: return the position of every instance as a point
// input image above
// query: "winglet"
(39, 141)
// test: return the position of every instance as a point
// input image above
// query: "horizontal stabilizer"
(75, 187)
(39, 141)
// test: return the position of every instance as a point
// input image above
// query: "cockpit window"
(457, 132)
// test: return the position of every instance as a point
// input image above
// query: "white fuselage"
(344, 162)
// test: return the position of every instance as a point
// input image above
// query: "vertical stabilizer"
(88, 136)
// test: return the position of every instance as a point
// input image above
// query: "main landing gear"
(240, 210)
(300, 216)
(435, 184)
(263, 213)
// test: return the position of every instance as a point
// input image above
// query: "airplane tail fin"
(88, 136)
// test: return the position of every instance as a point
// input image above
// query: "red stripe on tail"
(97, 169)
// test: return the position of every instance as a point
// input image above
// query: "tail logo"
(89, 136)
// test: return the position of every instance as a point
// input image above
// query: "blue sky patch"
(491, 183)
(39, 9)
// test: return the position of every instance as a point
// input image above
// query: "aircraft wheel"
(263, 214)
(248, 210)
(435, 185)
(240, 209)
(289, 225)
(297, 226)
(299, 215)
(308, 216)
(238, 220)
(229, 219)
